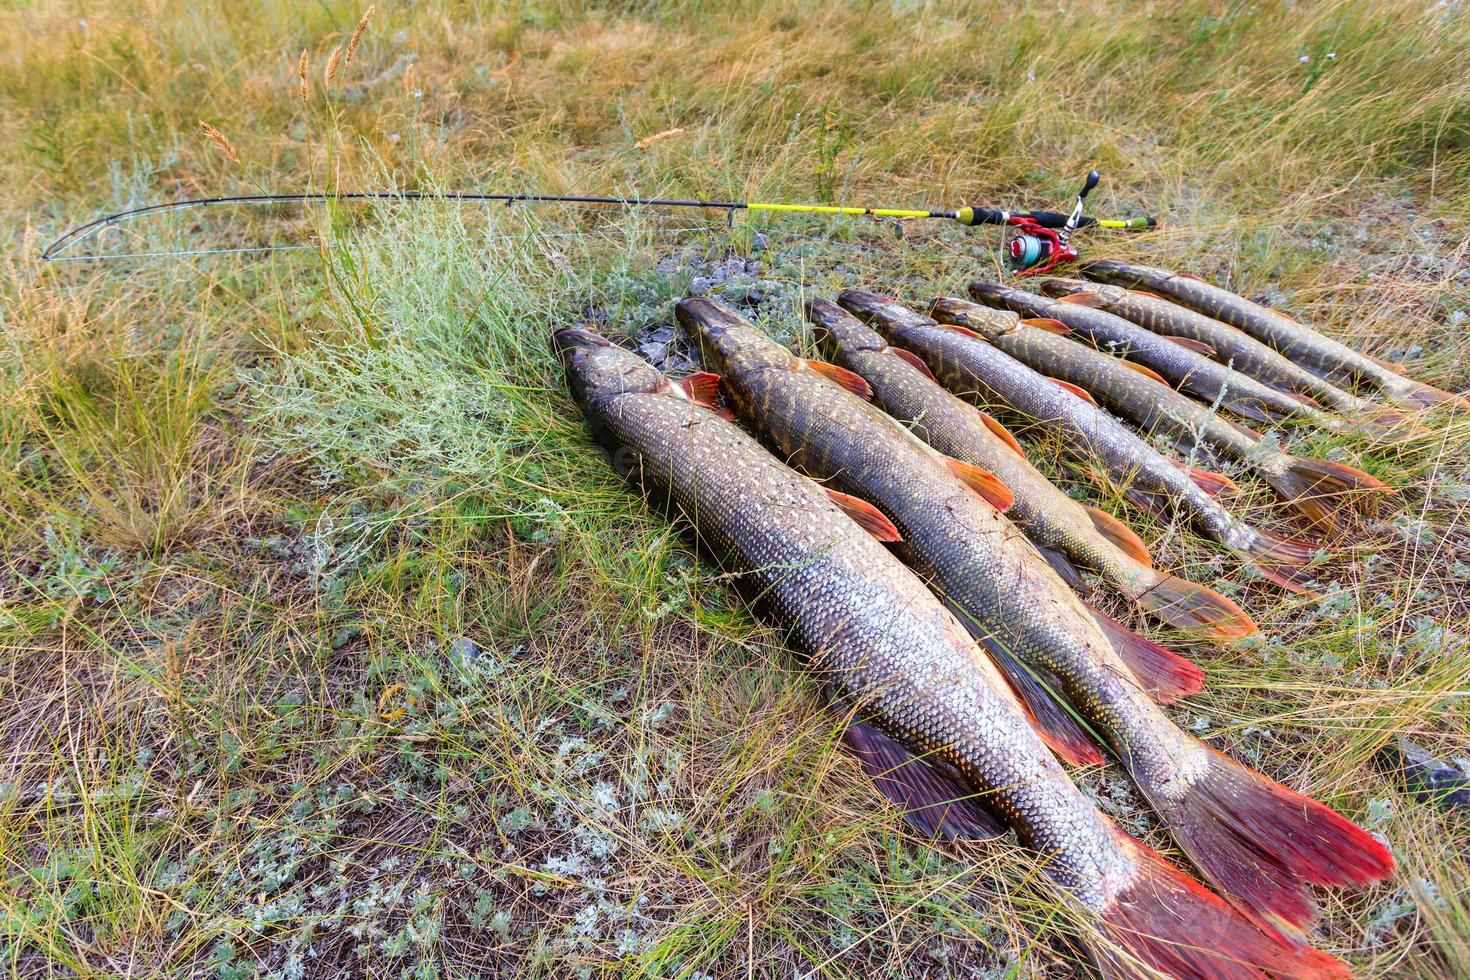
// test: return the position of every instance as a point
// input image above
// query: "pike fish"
(903, 387)
(1229, 345)
(1315, 488)
(1184, 367)
(884, 644)
(1297, 341)
(1257, 841)
(975, 370)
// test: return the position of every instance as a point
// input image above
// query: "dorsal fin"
(1001, 433)
(983, 482)
(1145, 292)
(1147, 372)
(956, 328)
(867, 516)
(1087, 298)
(1070, 388)
(1120, 535)
(1048, 324)
(915, 360)
(841, 376)
(1199, 347)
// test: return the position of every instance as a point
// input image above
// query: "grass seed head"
(219, 140)
(359, 31)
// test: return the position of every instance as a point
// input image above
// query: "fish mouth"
(981, 289)
(568, 340)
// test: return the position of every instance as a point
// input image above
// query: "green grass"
(251, 504)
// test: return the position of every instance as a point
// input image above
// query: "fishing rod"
(1040, 239)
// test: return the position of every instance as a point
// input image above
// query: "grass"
(331, 644)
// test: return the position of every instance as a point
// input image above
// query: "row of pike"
(964, 659)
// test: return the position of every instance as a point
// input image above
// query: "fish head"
(839, 331)
(729, 344)
(1059, 286)
(984, 321)
(1004, 297)
(1126, 273)
(892, 319)
(598, 369)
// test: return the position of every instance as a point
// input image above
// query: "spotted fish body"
(868, 624)
(887, 647)
(1232, 346)
(1311, 486)
(1048, 516)
(1188, 370)
(1297, 341)
(974, 369)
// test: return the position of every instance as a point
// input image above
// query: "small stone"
(700, 285)
(760, 242)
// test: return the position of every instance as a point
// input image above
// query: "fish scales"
(1295, 340)
(870, 627)
(883, 641)
(1191, 371)
(1048, 516)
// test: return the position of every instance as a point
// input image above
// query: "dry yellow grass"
(251, 501)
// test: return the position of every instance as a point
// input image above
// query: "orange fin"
(1120, 535)
(1048, 324)
(915, 360)
(1209, 481)
(1145, 292)
(701, 387)
(1391, 365)
(1199, 347)
(983, 482)
(932, 803)
(841, 376)
(1283, 561)
(1186, 605)
(1070, 388)
(1147, 372)
(1318, 488)
(867, 516)
(1001, 433)
(956, 328)
(1427, 396)
(1185, 275)
(1085, 299)
(1164, 674)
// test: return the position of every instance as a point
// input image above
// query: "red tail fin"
(1174, 925)
(1190, 606)
(1319, 488)
(1282, 560)
(1164, 674)
(1263, 844)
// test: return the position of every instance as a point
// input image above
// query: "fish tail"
(1319, 488)
(1164, 674)
(1282, 560)
(1172, 924)
(1421, 395)
(1264, 845)
(1187, 605)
